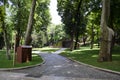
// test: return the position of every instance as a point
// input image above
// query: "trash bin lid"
(24, 46)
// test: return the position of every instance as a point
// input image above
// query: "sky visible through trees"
(77, 20)
(56, 19)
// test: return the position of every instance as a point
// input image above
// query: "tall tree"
(106, 33)
(28, 37)
(114, 21)
(42, 19)
(6, 40)
(1, 31)
(72, 17)
(65, 9)
(19, 10)
(78, 19)
(93, 26)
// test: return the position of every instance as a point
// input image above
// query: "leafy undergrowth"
(5, 63)
(90, 56)
(46, 49)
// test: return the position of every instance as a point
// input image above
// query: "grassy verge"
(90, 56)
(4, 63)
(46, 49)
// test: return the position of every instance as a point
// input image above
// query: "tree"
(78, 23)
(114, 21)
(20, 9)
(1, 31)
(42, 20)
(72, 16)
(106, 33)
(6, 40)
(1, 40)
(55, 33)
(59, 33)
(19, 15)
(93, 26)
(65, 9)
(28, 37)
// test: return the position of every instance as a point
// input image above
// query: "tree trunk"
(106, 34)
(98, 39)
(6, 40)
(72, 43)
(1, 41)
(92, 37)
(77, 23)
(46, 38)
(76, 41)
(28, 37)
(17, 41)
(18, 35)
(111, 25)
(84, 38)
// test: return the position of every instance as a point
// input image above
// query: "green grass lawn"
(4, 63)
(46, 49)
(90, 56)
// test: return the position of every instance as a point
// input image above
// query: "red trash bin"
(24, 54)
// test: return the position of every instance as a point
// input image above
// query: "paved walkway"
(57, 67)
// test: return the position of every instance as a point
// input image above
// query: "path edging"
(102, 69)
(9, 69)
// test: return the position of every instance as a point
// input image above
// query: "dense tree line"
(83, 17)
(14, 16)
(28, 22)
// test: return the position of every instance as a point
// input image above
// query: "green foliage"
(114, 21)
(1, 14)
(59, 32)
(42, 15)
(41, 22)
(56, 32)
(39, 39)
(93, 23)
(19, 12)
(72, 17)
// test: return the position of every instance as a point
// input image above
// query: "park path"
(57, 67)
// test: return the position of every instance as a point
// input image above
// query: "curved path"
(57, 67)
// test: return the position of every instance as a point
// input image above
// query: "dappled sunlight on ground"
(116, 55)
(82, 50)
(34, 55)
(94, 55)
(45, 49)
(89, 56)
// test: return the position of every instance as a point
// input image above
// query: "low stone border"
(9, 69)
(102, 69)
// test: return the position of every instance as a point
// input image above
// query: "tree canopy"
(80, 22)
